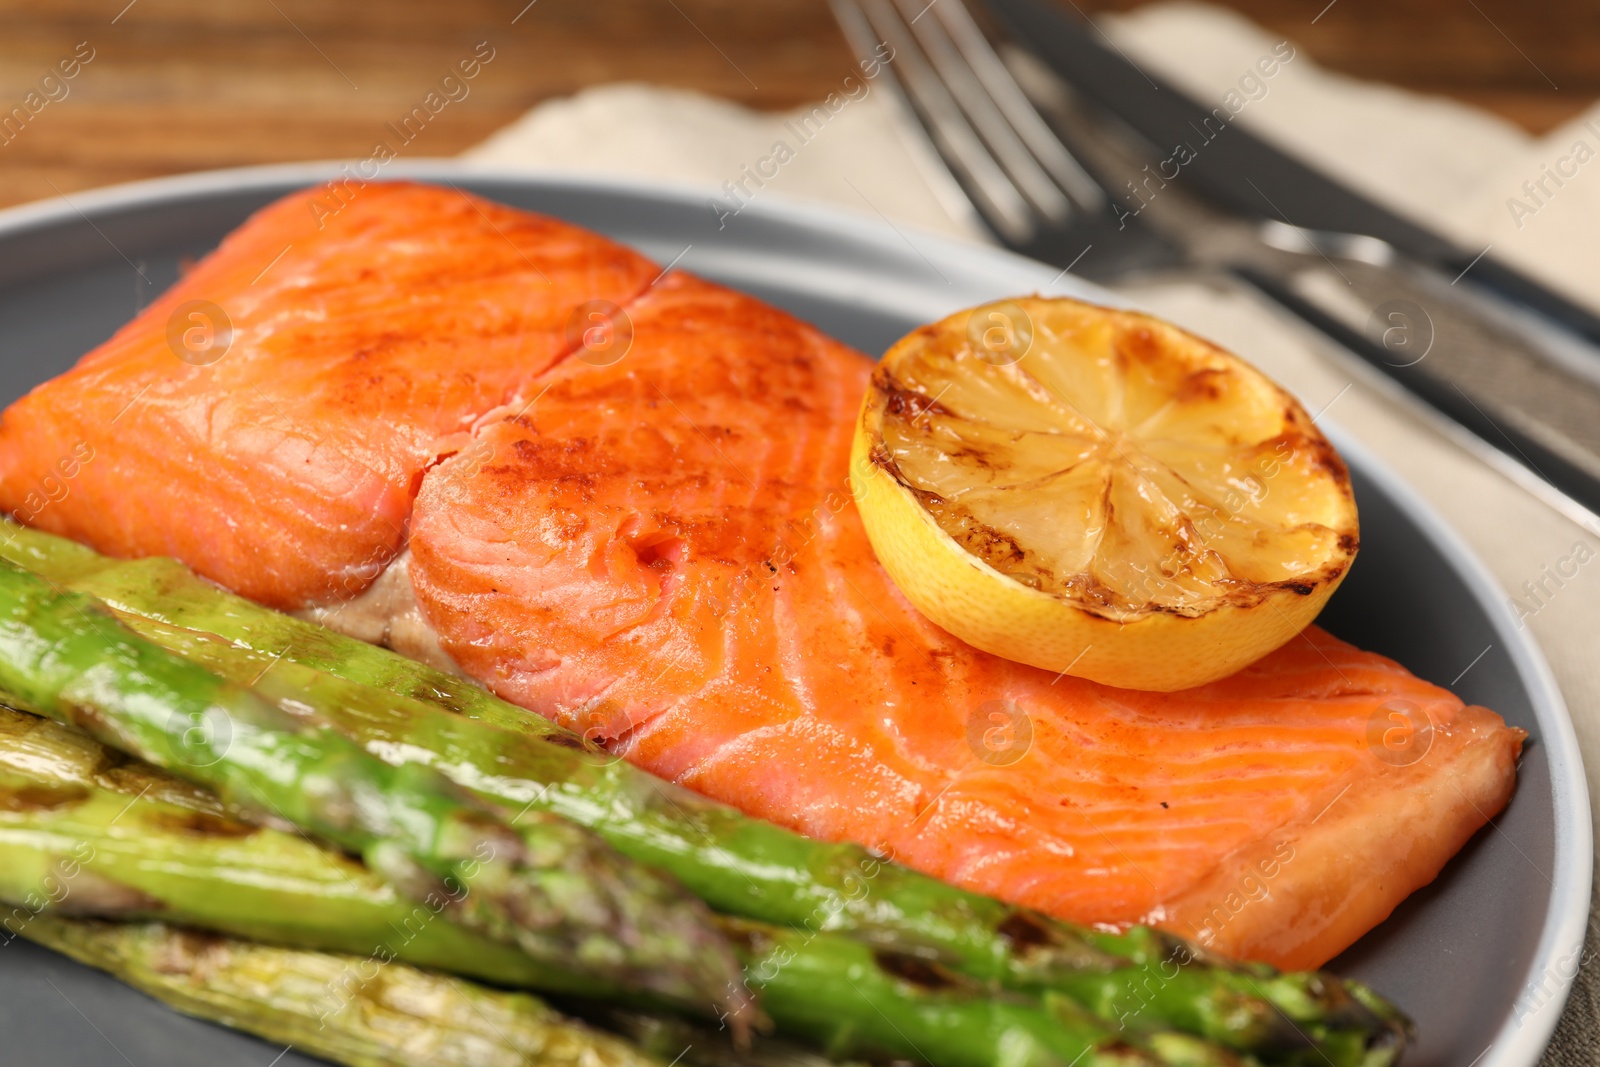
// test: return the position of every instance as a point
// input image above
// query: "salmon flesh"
(621, 497)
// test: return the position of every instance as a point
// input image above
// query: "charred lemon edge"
(1156, 650)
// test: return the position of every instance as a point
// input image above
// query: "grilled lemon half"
(1097, 492)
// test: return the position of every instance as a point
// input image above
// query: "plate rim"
(1561, 942)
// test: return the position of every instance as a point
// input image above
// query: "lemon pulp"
(1094, 491)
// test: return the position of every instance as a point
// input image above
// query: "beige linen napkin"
(1450, 166)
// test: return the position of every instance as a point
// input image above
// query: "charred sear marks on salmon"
(658, 551)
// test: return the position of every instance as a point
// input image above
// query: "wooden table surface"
(178, 85)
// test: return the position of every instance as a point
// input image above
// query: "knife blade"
(1486, 367)
(1278, 184)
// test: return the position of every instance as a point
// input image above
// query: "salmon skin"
(661, 550)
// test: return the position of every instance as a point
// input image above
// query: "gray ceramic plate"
(1482, 958)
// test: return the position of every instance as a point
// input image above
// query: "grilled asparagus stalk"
(394, 1016)
(400, 1016)
(669, 1038)
(1164, 988)
(1140, 979)
(84, 830)
(82, 833)
(544, 884)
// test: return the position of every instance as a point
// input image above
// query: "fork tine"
(986, 118)
(988, 186)
(913, 135)
(1008, 96)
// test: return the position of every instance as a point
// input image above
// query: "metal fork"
(1106, 208)
(1026, 184)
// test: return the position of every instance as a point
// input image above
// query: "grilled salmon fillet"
(662, 552)
(282, 461)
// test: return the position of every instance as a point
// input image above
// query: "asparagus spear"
(1139, 979)
(398, 1017)
(673, 1038)
(1169, 991)
(545, 885)
(402, 1017)
(84, 831)
(82, 834)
